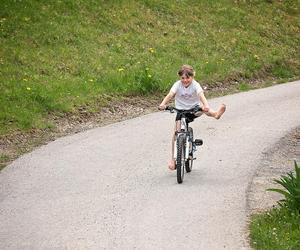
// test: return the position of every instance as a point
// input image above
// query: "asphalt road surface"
(109, 187)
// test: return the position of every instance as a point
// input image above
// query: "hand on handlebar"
(162, 107)
(205, 108)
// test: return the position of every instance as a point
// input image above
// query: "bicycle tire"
(189, 162)
(180, 161)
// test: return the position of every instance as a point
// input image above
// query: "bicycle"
(185, 143)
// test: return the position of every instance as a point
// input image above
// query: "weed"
(291, 192)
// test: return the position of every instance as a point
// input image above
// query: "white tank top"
(186, 98)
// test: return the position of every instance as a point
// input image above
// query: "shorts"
(190, 117)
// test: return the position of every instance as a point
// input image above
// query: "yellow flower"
(28, 88)
(206, 62)
(120, 69)
(151, 50)
(91, 80)
(149, 76)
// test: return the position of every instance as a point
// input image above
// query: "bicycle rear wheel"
(189, 162)
(180, 160)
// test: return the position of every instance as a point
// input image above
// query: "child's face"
(186, 80)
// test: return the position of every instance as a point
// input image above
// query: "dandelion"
(151, 50)
(28, 88)
(120, 69)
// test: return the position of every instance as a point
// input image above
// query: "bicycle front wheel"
(180, 160)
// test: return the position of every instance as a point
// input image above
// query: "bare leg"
(171, 163)
(216, 114)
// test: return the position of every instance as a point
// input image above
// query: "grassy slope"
(58, 55)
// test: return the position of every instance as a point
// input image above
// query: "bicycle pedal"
(198, 142)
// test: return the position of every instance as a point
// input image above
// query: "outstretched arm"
(204, 102)
(165, 101)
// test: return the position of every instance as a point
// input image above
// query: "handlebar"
(185, 111)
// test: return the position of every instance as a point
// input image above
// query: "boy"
(188, 94)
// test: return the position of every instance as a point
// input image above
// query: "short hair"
(186, 70)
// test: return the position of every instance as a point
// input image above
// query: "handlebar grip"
(198, 108)
(170, 108)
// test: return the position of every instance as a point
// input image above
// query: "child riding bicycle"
(188, 93)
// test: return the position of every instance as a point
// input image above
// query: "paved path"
(109, 188)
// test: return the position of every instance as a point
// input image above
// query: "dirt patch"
(278, 161)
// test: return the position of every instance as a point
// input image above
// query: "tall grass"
(58, 55)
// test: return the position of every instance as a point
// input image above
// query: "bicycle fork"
(188, 147)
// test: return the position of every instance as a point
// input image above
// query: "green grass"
(3, 160)
(244, 86)
(277, 229)
(56, 56)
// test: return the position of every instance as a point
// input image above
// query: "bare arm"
(167, 99)
(204, 101)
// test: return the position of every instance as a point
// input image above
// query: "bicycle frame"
(184, 143)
